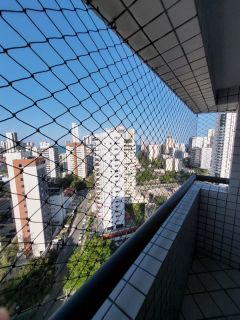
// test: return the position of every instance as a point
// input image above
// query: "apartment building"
(29, 191)
(76, 159)
(109, 172)
(130, 162)
(51, 154)
(154, 151)
(223, 145)
(11, 142)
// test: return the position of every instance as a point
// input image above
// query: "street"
(55, 298)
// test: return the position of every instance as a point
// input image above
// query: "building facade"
(206, 158)
(76, 159)
(223, 145)
(11, 142)
(154, 151)
(51, 155)
(109, 179)
(75, 133)
(29, 191)
(130, 162)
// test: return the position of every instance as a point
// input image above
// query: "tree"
(30, 283)
(160, 200)
(65, 181)
(136, 211)
(144, 176)
(90, 181)
(8, 255)
(169, 177)
(85, 262)
(156, 163)
(144, 160)
(78, 184)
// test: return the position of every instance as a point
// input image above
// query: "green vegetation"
(160, 200)
(4, 192)
(90, 181)
(169, 177)
(78, 184)
(74, 182)
(156, 163)
(136, 212)
(148, 166)
(144, 161)
(144, 176)
(65, 182)
(8, 255)
(30, 283)
(85, 262)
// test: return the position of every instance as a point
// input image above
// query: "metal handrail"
(88, 299)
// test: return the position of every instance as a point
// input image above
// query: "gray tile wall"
(154, 285)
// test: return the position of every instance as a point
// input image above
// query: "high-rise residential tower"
(51, 155)
(76, 159)
(154, 151)
(223, 145)
(11, 142)
(130, 162)
(75, 133)
(29, 191)
(75, 154)
(109, 178)
(168, 145)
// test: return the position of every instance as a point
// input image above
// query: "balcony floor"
(213, 291)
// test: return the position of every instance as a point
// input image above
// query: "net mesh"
(93, 142)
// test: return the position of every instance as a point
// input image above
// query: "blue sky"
(67, 66)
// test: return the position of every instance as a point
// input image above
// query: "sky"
(63, 66)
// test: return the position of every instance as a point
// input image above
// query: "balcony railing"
(92, 144)
(109, 275)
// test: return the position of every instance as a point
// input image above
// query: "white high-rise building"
(154, 151)
(211, 133)
(206, 158)
(196, 142)
(29, 145)
(29, 193)
(44, 145)
(130, 163)
(11, 142)
(169, 145)
(76, 154)
(172, 164)
(75, 133)
(51, 155)
(76, 159)
(109, 178)
(35, 152)
(195, 157)
(223, 144)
